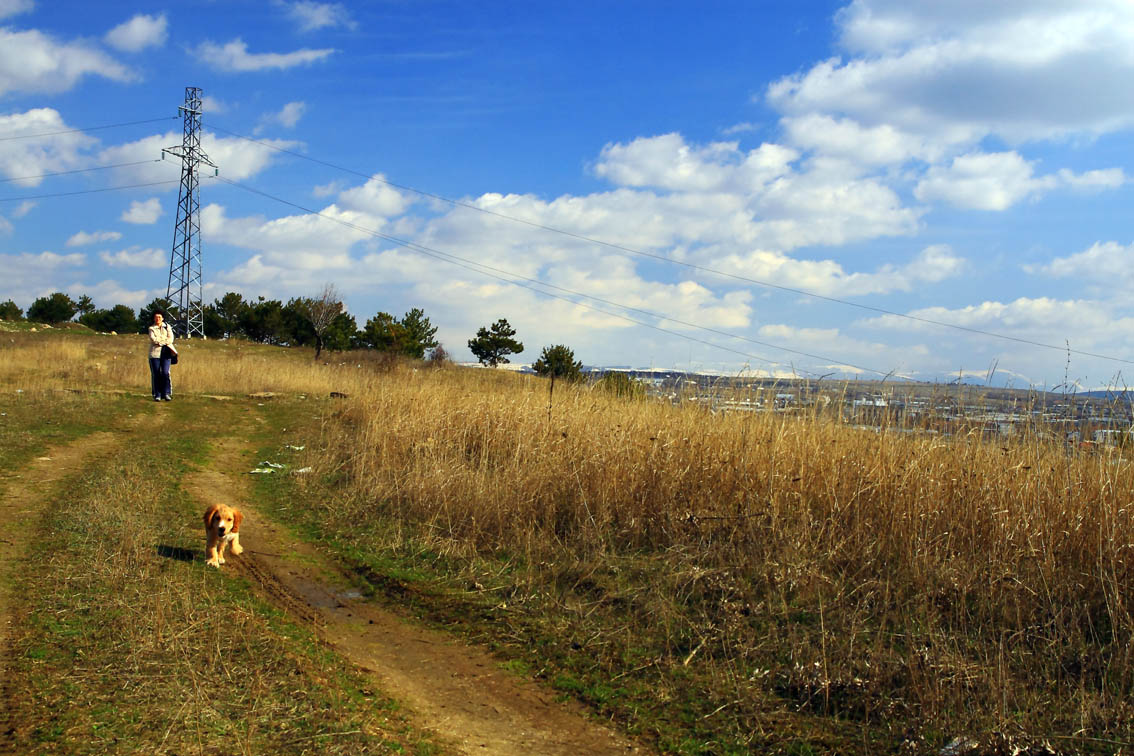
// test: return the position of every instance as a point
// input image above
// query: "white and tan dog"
(222, 524)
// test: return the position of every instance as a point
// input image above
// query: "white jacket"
(160, 336)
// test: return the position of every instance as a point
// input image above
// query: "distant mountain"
(1126, 395)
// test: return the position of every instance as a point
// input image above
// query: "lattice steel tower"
(185, 288)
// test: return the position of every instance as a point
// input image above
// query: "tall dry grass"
(37, 362)
(877, 574)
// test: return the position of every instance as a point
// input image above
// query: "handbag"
(169, 353)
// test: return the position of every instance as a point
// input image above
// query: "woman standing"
(161, 335)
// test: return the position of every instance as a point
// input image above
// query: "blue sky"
(964, 163)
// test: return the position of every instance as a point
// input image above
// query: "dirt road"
(455, 690)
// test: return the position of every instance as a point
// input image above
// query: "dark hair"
(158, 311)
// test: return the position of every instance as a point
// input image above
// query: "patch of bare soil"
(454, 689)
(23, 495)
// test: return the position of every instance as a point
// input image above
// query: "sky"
(881, 187)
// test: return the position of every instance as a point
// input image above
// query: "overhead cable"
(86, 191)
(80, 170)
(88, 128)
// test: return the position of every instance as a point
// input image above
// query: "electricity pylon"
(185, 289)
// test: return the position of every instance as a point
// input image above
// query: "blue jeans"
(159, 377)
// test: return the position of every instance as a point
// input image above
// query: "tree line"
(320, 321)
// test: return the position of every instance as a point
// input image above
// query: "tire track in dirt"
(456, 690)
(23, 495)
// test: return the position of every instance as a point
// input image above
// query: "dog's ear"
(237, 516)
(212, 510)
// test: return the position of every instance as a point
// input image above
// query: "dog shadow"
(177, 552)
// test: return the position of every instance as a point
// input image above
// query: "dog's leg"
(237, 549)
(211, 552)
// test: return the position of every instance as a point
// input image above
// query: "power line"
(693, 266)
(89, 128)
(517, 279)
(86, 191)
(80, 170)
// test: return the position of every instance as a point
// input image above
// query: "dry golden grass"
(876, 576)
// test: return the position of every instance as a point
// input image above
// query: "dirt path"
(456, 690)
(23, 495)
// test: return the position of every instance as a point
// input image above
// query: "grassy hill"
(763, 582)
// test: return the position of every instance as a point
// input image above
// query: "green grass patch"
(33, 422)
(121, 649)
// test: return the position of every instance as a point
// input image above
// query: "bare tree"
(321, 311)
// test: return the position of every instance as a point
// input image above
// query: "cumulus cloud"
(107, 293)
(15, 7)
(34, 62)
(1018, 70)
(996, 181)
(136, 257)
(287, 117)
(375, 197)
(233, 57)
(1104, 262)
(213, 106)
(669, 162)
(82, 238)
(312, 16)
(826, 277)
(33, 156)
(23, 209)
(138, 33)
(27, 275)
(143, 212)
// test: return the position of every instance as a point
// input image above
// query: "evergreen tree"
(420, 334)
(119, 319)
(146, 314)
(10, 311)
(492, 345)
(56, 308)
(559, 361)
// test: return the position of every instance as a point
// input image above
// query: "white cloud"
(82, 238)
(740, 128)
(287, 117)
(31, 61)
(376, 198)
(311, 16)
(827, 277)
(35, 155)
(144, 212)
(108, 293)
(996, 181)
(234, 57)
(846, 139)
(212, 106)
(297, 242)
(15, 7)
(134, 257)
(138, 33)
(668, 162)
(1105, 262)
(23, 209)
(28, 276)
(1016, 69)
